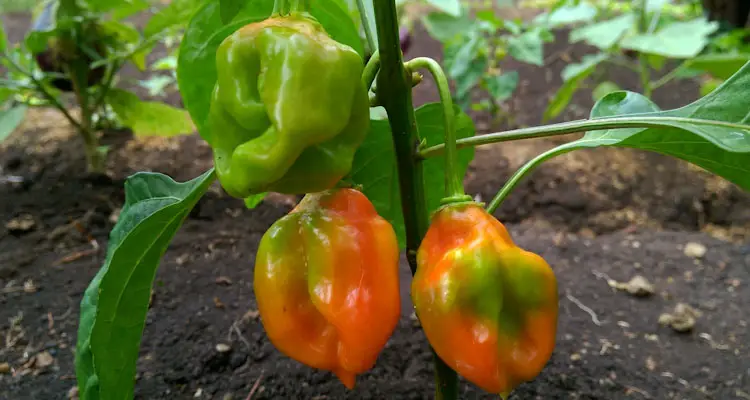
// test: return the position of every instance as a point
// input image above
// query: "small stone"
(43, 360)
(639, 286)
(115, 215)
(650, 363)
(695, 250)
(250, 314)
(682, 319)
(223, 347)
(575, 357)
(4, 368)
(73, 393)
(223, 280)
(198, 393)
(21, 224)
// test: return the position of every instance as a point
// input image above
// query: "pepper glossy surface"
(488, 308)
(326, 282)
(289, 108)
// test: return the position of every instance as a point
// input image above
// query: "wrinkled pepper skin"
(326, 283)
(288, 110)
(488, 308)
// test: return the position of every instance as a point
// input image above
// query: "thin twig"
(255, 386)
(236, 329)
(589, 311)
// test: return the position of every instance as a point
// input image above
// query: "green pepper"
(289, 108)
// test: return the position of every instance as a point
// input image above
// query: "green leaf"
(501, 87)
(470, 77)
(684, 39)
(573, 75)
(685, 133)
(568, 14)
(148, 118)
(720, 66)
(444, 27)
(709, 85)
(604, 89)
(527, 47)
(603, 34)
(196, 67)
(10, 118)
(114, 306)
(174, 15)
(375, 164)
(229, 9)
(452, 7)
(253, 201)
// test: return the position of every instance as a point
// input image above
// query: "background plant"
(74, 51)
(659, 40)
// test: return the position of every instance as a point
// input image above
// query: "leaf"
(375, 164)
(229, 9)
(148, 118)
(720, 66)
(196, 67)
(723, 149)
(603, 34)
(470, 77)
(501, 87)
(10, 118)
(175, 14)
(114, 306)
(527, 47)
(444, 27)
(684, 39)
(568, 14)
(604, 89)
(451, 7)
(573, 75)
(253, 201)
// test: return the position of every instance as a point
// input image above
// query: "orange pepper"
(488, 308)
(326, 282)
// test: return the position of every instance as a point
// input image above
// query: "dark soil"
(595, 215)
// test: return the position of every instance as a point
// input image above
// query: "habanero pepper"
(487, 307)
(288, 110)
(326, 283)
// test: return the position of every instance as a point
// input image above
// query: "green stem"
(518, 176)
(645, 75)
(565, 128)
(279, 7)
(644, 72)
(367, 25)
(394, 91)
(668, 77)
(453, 185)
(371, 70)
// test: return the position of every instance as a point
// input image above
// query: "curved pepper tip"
(348, 378)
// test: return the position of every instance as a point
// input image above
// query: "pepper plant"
(325, 276)
(74, 52)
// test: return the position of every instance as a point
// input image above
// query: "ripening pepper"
(487, 307)
(326, 283)
(289, 108)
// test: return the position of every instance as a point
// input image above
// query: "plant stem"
(565, 128)
(371, 70)
(394, 91)
(278, 7)
(367, 26)
(643, 58)
(453, 185)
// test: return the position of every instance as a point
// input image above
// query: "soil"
(596, 216)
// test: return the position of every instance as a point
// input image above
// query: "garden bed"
(593, 215)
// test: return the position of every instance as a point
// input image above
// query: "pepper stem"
(298, 6)
(278, 7)
(371, 70)
(454, 190)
